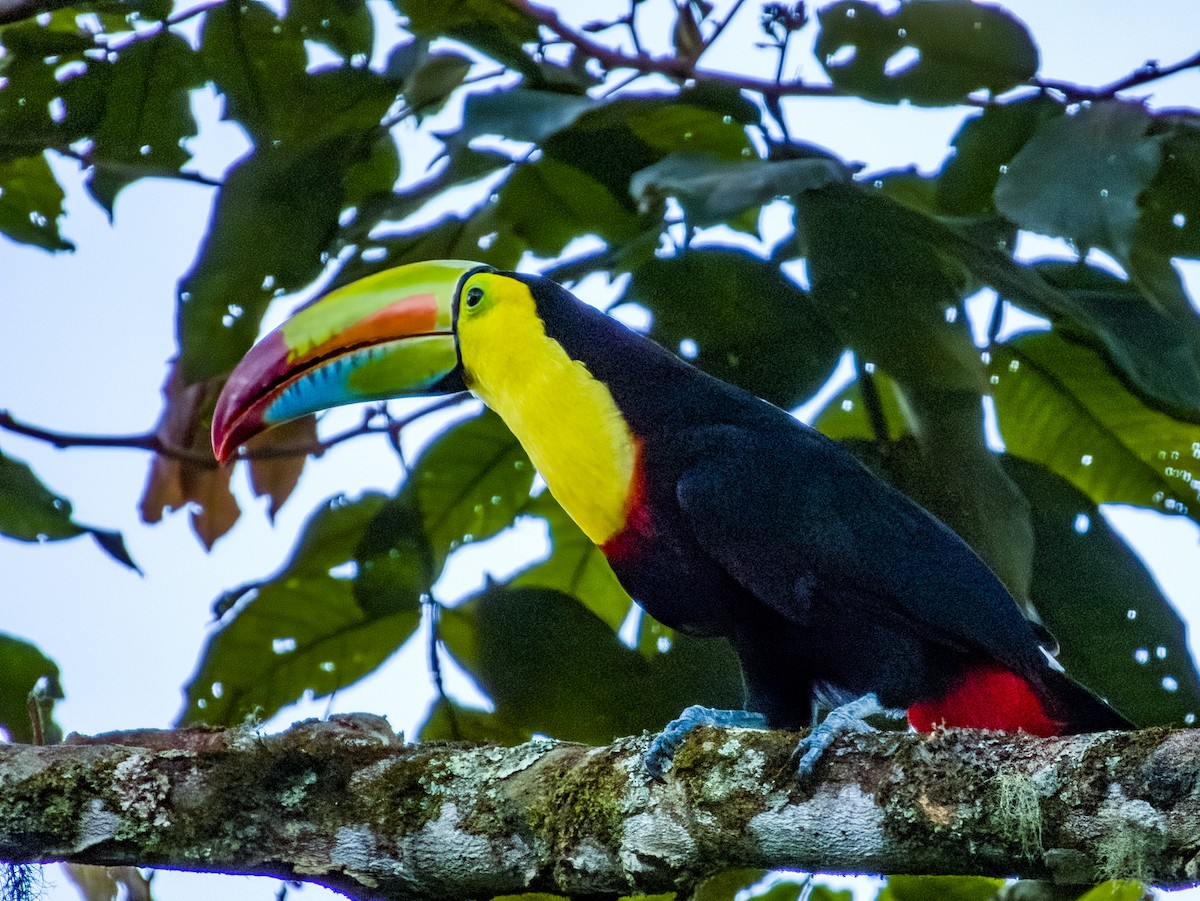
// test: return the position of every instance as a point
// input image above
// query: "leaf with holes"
(1079, 177)
(147, 116)
(929, 52)
(297, 636)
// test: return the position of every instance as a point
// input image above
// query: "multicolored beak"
(388, 335)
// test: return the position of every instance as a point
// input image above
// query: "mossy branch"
(347, 804)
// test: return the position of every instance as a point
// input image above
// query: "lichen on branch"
(346, 803)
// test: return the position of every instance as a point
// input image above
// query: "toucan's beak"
(388, 335)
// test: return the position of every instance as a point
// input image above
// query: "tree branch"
(150, 441)
(671, 66)
(347, 804)
(1151, 71)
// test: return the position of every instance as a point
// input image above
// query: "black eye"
(474, 295)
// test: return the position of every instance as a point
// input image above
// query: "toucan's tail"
(990, 696)
(1077, 708)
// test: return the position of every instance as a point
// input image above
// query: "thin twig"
(1151, 71)
(671, 66)
(720, 27)
(149, 441)
(682, 69)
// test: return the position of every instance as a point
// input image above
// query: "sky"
(85, 339)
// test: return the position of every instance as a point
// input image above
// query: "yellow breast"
(565, 419)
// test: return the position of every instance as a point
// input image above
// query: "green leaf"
(960, 480)
(471, 482)
(23, 665)
(614, 140)
(983, 147)
(345, 26)
(31, 203)
(296, 636)
(286, 208)
(676, 123)
(726, 885)
(372, 179)
(304, 631)
(1059, 405)
(940, 888)
(886, 278)
(547, 204)
(575, 566)
(1170, 221)
(712, 190)
(284, 200)
(1080, 176)
(147, 115)
(1154, 355)
(551, 666)
(37, 110)
(396, 567)
(333, 533)
(1117, 890)
(29, 511)
(493, 26)
(929, 52)
(258, 65)
(1119, 635)
(430, 86)
(519, 114)
(750, 324)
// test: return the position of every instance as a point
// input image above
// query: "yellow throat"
(565, 419)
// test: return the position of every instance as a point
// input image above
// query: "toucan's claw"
(844, 720)
(665, 745)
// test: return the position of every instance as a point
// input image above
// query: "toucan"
(721, 514)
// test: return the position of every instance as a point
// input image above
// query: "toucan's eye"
(474, 295)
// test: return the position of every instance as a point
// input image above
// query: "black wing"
(787, 512)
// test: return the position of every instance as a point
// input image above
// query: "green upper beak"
(387, 335)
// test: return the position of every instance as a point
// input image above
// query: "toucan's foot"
(666, 743)
(849, 717)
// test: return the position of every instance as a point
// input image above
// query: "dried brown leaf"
(214, 509)
(174, 482)
(276, 476)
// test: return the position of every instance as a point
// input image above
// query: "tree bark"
(347, 804)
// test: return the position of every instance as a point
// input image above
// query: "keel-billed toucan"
(719, 513)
